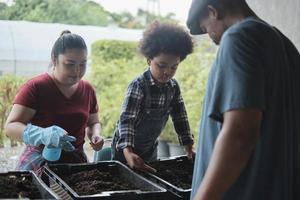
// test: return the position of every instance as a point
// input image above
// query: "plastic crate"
(147, 189)
(44, 191)
(172, 161)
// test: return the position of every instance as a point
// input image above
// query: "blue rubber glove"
(52, 137)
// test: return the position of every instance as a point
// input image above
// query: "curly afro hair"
(166, 38)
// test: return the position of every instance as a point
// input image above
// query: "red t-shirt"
(53, 108)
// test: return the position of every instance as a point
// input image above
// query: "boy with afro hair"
(153, 97)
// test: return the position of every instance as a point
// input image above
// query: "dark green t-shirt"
(256, 67)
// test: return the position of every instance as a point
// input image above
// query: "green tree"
(141, 20)
(149, 17)
(9, 85)
(3, 8)
(114, 65)
(127, 20)
(80, 12)
(192, 75)
(98, 17)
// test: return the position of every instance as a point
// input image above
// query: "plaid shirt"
(134, 105)
(31, 159)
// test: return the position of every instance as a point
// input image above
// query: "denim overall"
(148, 128)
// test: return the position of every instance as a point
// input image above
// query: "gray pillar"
(283, 14)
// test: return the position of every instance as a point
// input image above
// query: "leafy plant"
(114, 65)
(9, 85)
(79, 12)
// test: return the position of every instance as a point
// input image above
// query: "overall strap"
(147, 93)
(168, 96)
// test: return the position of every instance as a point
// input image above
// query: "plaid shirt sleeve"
(180, 119)
(129, 115)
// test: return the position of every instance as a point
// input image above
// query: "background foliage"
(116, 63)
(9, 85)
(80, 12)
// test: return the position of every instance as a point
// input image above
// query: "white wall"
(283, 14)
(25, 47)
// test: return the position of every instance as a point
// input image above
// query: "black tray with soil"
(103, 180)
(174, 174)
(23, 184)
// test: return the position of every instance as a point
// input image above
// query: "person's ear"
(212, 12)
(149, 61)
(54, 60)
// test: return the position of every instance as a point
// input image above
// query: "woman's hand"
(52, 137)
(97, 142)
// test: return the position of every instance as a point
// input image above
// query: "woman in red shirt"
(56, 109)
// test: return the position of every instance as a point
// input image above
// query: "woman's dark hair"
(165, 38)
(67, 40)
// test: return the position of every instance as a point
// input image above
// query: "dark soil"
(95, 181)
(179, 174)
(18, 186)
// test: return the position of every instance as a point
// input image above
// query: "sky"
(178, 7)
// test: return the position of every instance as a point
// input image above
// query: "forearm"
(127, 150)
(181, 123)
(182, 129)
(17, 121)
(14, 130)
(126, 130)
(229, 158)
(130, 115)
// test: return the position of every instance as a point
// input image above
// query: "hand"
(190, 151)
(136, 162)
(97, 142)
(52, 137)
(65, 143)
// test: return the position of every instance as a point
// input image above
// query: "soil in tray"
(18, 186)
(179, 174)
(96, 181)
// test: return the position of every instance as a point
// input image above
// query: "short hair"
(167, 38)
(225, 7)
(67, 40)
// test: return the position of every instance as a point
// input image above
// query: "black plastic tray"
(148, 189)
(45, 192)
(180, 192)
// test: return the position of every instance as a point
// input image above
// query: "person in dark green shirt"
(249, 138)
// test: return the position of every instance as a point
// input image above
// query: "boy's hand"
(97, 142)
(136, 162)
(190, 151)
